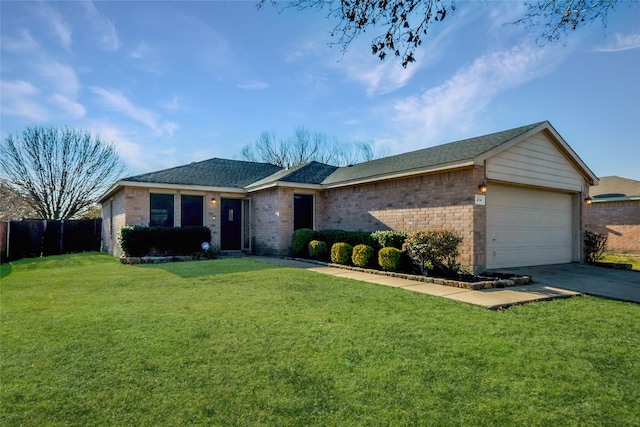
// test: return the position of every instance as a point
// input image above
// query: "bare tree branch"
(59, 172)
(304, 147)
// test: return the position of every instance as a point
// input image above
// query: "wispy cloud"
(132, 153)
(70, 106)
(60, 28)
(103, 27)
(62, 77)
(383, 77)
(620, 42)
(25, 43)
(456, 102)
(18, 100)
(116, 101)
(254, 85)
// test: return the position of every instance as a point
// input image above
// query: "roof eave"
(165, 186)
(287, 184)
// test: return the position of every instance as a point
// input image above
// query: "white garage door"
(528, 227)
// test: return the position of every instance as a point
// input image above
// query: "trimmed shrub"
(362, 255)
(341, 253)
(594, 246)
(142, 241)
(389, 238)
(300, 242)
(351, 237)
(318, 250)
(389, 258)
(434, 249)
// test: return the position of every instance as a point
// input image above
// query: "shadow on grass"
(191, 269)
(5, 269)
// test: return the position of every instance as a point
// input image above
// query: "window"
(191, 211)
(302, 211)
(161, 214)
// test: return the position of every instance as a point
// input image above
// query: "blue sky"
(173, 82)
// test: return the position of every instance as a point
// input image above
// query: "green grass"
(633, 259)
(234, 342)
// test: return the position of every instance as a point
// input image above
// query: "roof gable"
(615, 188)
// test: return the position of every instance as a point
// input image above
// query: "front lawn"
(633, 259)
(235, 342)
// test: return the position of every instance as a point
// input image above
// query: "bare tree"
(404, 24)
(59, 172)
(304, 146)
(13, 206)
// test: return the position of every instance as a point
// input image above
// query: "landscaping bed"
(470, 282)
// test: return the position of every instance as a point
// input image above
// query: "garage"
(528, 226)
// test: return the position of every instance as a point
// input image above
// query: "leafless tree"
(304, 147)
(404, 24)
(12, 205)
(58, 172)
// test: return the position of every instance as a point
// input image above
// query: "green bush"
(318, 250)
(351, 237)
(594, 246)
(362, 255)
(142, 241)
(434, 250)
(341, 253)
(389, 238)
(389, 258)
(300, 242)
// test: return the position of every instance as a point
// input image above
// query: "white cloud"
(17, 100)
(60, 28)
(104, 28)
(25, 43)
(383, 77)
(118, 102)
(72, 107)
(62, 77)
(620, 42)
(456, 102)
(254, 85)
(131, 152)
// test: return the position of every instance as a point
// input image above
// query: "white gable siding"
(534, 161)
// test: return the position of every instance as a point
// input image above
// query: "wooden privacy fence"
(41, 237)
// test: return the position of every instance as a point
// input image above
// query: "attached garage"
(528, 226)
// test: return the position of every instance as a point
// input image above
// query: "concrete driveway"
(599, 281)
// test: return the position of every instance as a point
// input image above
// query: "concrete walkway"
(490, 298)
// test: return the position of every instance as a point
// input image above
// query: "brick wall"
(272, 221)
(619, 220)
(439, 201)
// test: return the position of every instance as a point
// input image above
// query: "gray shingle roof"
(241, 174)
(458, 151)
(212, 172)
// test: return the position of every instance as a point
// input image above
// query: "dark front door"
(231, 224)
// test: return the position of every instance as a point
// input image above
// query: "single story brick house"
(615, 211)
(516, 197)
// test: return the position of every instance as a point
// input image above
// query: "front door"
(231, 224)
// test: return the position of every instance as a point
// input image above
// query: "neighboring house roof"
(241, 176)
(615, 188)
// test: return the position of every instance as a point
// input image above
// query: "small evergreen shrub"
(142, 241)
(341, 253)
(389, 238)
(318, 250)
(594, 246)
(434, 249)
(362, 255)
(300, 242)
(389, 258)
(340, 236)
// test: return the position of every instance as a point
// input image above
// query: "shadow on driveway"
(610, 283)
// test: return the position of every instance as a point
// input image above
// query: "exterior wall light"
(213, 201)
(482, 188)
(588, 201)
